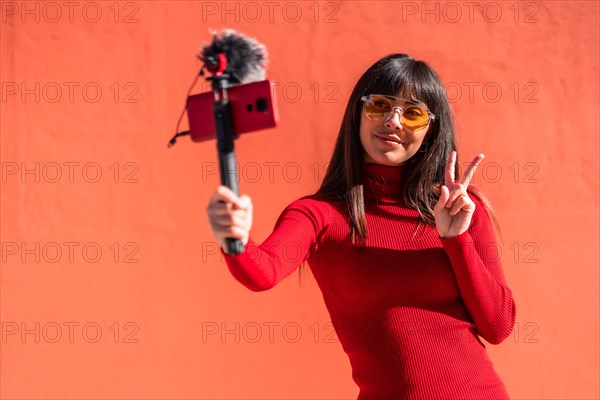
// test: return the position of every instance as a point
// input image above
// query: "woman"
(398, 241)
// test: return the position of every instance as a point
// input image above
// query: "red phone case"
(253, 108)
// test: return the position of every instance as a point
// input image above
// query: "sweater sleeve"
(475, 259)
(294, 238)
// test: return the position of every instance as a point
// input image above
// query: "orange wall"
(94, 88)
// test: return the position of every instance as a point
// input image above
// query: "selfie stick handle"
(227, 159)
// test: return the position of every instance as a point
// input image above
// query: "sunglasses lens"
(378, 109)
(415, 117)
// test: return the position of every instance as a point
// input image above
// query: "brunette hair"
(396, 74)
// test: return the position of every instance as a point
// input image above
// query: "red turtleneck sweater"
(408, 311)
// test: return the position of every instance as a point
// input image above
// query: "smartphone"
(253, 108)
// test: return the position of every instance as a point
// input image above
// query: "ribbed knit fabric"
(408, 311)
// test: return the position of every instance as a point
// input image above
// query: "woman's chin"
(389, 158)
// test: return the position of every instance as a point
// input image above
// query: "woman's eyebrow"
(407, 100)
(413, 102)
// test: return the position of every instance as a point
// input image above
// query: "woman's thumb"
(244, 201)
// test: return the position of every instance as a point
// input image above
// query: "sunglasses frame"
(369, 98)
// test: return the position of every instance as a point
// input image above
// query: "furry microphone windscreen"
(246, 58)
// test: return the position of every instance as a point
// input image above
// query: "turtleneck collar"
(383, 181)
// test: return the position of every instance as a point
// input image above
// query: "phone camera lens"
(261, 105)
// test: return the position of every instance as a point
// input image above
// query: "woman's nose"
(394, 121)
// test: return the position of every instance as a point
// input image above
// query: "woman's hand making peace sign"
(454, 209)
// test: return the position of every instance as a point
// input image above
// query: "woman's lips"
(389, 141)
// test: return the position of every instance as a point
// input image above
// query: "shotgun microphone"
(241, 57)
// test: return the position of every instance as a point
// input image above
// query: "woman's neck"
(383, 181)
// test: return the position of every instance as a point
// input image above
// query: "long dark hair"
(424, 172)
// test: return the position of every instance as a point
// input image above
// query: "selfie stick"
(225, 138)
(233, 58)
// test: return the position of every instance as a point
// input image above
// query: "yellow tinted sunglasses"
(414, 114)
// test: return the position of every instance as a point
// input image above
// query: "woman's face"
(402, 143)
